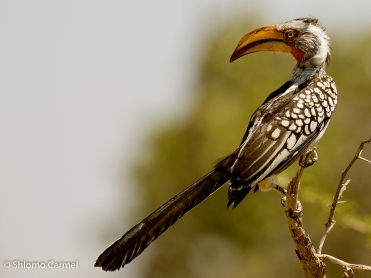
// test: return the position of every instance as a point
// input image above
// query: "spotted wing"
(284, 128)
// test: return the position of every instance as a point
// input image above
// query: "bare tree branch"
(345, 265)
(339, 192)
(312, 261)
(312, 265)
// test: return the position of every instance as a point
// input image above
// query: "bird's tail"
(132, 244)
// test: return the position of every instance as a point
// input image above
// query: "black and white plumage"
(290, 122)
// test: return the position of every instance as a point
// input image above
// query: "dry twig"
(345, 265)
(312, 261)
(339, 192)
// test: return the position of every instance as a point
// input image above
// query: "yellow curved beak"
(266, 38)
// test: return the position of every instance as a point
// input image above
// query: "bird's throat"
(298, 54)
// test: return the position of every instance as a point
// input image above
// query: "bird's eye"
(290, 34)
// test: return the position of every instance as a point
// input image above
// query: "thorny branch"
(312, 261)
(339, 192)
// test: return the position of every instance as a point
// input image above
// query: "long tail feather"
(133, 243)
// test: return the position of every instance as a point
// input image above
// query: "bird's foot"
(309, 158)
(268, 184)
(298, 212)
(283, 200)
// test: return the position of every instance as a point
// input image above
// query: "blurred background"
(109, 108)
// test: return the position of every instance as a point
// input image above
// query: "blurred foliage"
(253, 239)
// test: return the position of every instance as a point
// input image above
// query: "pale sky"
(81, 84)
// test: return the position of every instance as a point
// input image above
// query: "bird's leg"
(268, 184)
(306, 160)
(309, 158)
(282, 191)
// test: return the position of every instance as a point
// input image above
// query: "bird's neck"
(302, 73)
(315, 64)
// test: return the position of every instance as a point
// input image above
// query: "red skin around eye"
(297, 53)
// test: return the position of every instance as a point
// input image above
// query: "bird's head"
(304, 38)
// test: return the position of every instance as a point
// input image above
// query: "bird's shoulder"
(296, 108)
(287, 124)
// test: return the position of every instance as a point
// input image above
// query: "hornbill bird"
(288, 124)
